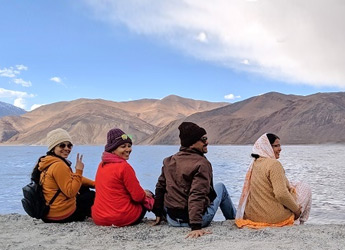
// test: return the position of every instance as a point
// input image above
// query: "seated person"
(120, 200)
(185, 187)
(268, 198)
(69, 191)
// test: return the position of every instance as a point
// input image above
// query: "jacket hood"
(49, 160)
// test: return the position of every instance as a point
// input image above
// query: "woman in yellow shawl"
(268, 199)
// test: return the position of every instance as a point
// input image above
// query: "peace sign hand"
(79, 165)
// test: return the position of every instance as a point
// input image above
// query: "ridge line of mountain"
(313, 119)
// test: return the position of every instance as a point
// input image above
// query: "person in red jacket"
(120, 200)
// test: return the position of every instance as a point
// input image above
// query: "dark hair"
(256, 156)
(35, 175)
(272, 138)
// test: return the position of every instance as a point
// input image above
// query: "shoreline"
(23, 232)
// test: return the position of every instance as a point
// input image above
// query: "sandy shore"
(23, 232)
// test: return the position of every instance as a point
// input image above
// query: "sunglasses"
(63, 145)
(125, 137)
(204, 139)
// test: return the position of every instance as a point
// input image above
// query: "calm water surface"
(322, 166)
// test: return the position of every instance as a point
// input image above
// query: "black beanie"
(190, 133)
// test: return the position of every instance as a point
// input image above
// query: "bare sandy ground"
(23, 232)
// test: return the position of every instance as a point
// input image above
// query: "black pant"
(85, 199)
(143, 212)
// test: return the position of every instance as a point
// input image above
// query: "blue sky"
(217, 50)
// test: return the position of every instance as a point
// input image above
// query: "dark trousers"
(85, 199)
(143, 212)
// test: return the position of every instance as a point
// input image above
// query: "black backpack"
(34, 203)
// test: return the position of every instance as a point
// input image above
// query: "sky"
(122, 50)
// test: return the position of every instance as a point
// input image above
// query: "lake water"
(321, 166)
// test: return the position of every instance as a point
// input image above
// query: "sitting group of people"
(185, 195)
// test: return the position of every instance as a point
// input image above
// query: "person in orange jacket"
(54, 172)
(120, 200)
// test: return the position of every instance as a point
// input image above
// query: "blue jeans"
(222, 200)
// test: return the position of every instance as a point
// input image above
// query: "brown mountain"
(312, 119)
(89, 120)
(161, 112)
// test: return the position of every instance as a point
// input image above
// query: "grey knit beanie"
(57, 136)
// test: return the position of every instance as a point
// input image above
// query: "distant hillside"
(88, 120)
(312, 119)
(161, 112)
(9, 109)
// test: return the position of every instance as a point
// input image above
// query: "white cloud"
(12, 71)
(202, 37)
(18, 96)
(22, 82)
(56, 79)
(35, 106)
(19, 102)
(12, 93)
(21, 67)
(245, 61)
(8, 72)
(232, 97)
(294, 41)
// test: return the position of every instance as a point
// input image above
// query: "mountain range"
(312, 119)
(89, 120)
(8, 109)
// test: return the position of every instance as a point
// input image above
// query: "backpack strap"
(57, 192)
(54, 197)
